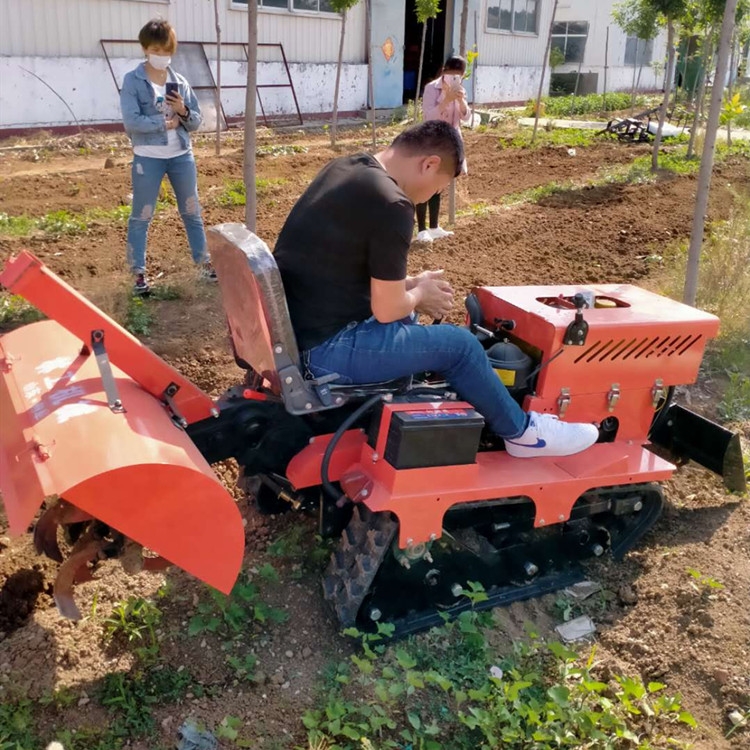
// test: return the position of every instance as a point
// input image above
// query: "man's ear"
(431, 164)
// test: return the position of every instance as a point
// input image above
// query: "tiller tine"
(75, 570)
(45, 530)
(125, 461)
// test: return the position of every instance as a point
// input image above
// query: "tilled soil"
(658, 624)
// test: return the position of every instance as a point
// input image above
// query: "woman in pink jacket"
(443, 99)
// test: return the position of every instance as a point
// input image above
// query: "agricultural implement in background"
(118, 445)
(641, 128)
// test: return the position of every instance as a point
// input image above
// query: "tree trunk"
(370, 76)
(635, 71)
(335, 116)
(250, 97)
(730, 92)
(419, 74)
(708, 53)
(544, 70)
(707, 161)
(218, 77)
(462, 33)
(667, 93)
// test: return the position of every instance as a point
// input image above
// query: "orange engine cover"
(135, 470)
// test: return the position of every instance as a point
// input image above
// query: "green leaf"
(687, 718)
(414, 720)
(560, 694)
(655, 687)
(405, 660)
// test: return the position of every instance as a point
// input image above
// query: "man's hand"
(414, 281)
(173, 122)
(435, 295)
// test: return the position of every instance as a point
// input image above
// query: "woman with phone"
(159, 111)
(443, 99)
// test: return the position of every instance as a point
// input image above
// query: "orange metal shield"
(136, 470)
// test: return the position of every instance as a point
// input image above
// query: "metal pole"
(606, 67)
(251, 208)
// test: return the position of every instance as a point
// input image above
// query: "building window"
(308, 6)
(638, 52)
(519, 16)
(570, 38)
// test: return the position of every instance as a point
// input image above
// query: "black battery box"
(429, 437)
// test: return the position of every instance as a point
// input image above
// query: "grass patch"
(16, 226)
(562, 106)
(280, 149)
(569, 137)
(536, 194)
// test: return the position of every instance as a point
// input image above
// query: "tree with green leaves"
(424, 10)
(342, 7)
(707, 160)
(644, 19)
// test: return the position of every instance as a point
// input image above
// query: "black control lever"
(507, 325)
(578, 330)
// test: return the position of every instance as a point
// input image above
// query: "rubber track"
(355, 562)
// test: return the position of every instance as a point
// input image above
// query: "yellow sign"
(388, 49)
(507, 377)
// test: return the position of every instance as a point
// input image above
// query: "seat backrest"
(258, 316)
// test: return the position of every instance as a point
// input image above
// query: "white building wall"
(58, 41)
(73, 28)
(598, 13)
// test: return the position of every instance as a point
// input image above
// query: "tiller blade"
(123, 461)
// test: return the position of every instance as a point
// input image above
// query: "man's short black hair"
(434, 137)
(455, 63)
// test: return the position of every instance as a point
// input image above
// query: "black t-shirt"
(353, 223)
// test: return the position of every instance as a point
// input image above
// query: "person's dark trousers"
(434, 205)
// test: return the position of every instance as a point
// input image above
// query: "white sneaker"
(438, 233)
(546, 435)
(424, 236)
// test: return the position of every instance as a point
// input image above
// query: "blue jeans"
(147, 176)
(371, 352)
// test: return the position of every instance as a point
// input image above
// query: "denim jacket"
(144, 124)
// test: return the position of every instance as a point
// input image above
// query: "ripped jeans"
(147, 176)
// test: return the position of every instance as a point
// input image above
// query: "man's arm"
(392, 300)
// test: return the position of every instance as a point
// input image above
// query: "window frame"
(241, 5)
(635, 64)
(567, 35)
(512, 31)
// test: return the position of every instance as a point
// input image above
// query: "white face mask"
(160, 62)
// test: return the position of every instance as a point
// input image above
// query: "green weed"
(702, 583)
(234, 614)
(446, 690)
(735, 403)
(17, 725)
(62, 222)
(166, 293)
(243, 666)
(16, 226)
(134, 621)
(15, 311)
(131, 696)
(280, 149)
(138, 318)
(233, 193)
(89, 738)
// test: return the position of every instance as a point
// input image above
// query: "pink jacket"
(453, 112)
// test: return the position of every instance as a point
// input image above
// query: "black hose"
(330, 490)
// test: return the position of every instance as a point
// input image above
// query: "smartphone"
(172, 88)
